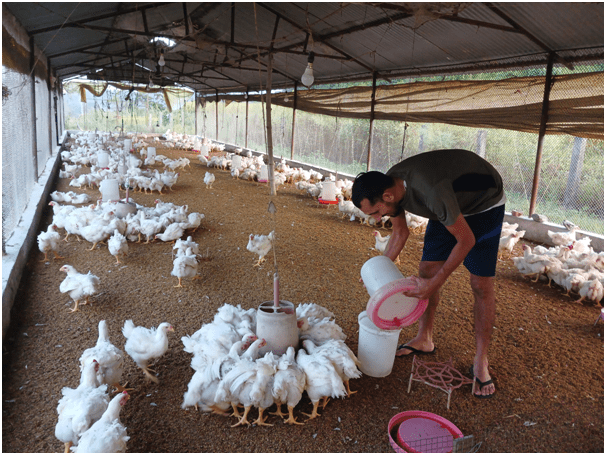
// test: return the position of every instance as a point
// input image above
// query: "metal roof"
(225, 46)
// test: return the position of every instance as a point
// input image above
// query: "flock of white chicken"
(231, 373)
(572, 264)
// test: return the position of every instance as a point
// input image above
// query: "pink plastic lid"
(328, 202)
(390, 309)
(421, 431)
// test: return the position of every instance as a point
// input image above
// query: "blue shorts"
(482, 259)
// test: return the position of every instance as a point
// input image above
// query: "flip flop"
(480, 383)
(413, 351)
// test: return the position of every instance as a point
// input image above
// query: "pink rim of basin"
(390, 309)
(397, 428)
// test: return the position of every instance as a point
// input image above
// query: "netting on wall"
(43, 124)
(18, 168)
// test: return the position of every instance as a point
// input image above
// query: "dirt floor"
(547, 358)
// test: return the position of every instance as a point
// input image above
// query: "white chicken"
(108, 434)
(144, 344)
(322, 380)
(202, 387)
(416, 224)
(185, 266)
(79, 286)
(117, 245)
(209, 179)
(592, 290)
(260, 245)
(508, 229)
(346, 207)
(235, 385)
(564, 238)
(381, 244)
(342, 358)
(319, 330)
(507, 242)
(289, 385)
(49, 241)
(79, 408)
(182, 245)
(109, 358)
(173, 232)
(312, 310)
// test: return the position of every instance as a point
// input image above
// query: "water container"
(379, 271)
(376, 348)
(236, 162)
(329, 193)
(204, 149)
(151, 151)
(263, 174)
(278, 327)
(128, 145)
(110, 190)
(122, 168)
(102, 159)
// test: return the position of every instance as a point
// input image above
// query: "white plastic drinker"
(329, 193)
(263, 177)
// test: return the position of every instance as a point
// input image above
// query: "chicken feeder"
(102, 159)
(376, 348)
(278, 326)
(151, 152)
(128, 145)
(263, 177)
(110, 190)
(329, 194)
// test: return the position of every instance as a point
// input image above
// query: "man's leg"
(484, 317)
(424, 339)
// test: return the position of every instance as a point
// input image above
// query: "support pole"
(50, 108)
(270, 146)
(294, 114)
(372, 117)
(246, 127)
(542, 129)
(195, 113)
(217, 115)
(32, 64)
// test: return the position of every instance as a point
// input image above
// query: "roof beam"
(98, 17)
(495, 9)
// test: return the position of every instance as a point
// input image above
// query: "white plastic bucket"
(263, 177)
(329, 193)
(151, 152)
(236, 162)
(110, 190)
(376, 348)
(377, 272)
(102, 159)
(128, 145)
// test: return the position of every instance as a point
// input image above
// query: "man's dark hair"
(370, 185)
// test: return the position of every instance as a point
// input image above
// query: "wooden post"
(372, 117)
(270, 146)
(217, 115)
(195, 113)
(542, 129)
(246, 126)
(294, 113)
(481, 143)
(574, 174)
(32, 64)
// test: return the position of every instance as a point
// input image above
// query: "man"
(463, 197)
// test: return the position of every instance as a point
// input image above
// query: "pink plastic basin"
(420, 431)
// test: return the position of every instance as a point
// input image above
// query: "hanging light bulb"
(161, 61)
(308, 77)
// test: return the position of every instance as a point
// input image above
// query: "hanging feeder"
(276, 319)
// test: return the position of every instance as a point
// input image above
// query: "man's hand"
(423, 288)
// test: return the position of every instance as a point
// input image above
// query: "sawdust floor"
(547, 358)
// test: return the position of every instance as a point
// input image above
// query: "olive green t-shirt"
(442, 184)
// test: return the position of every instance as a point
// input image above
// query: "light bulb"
(161, 61)
(308, 77)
